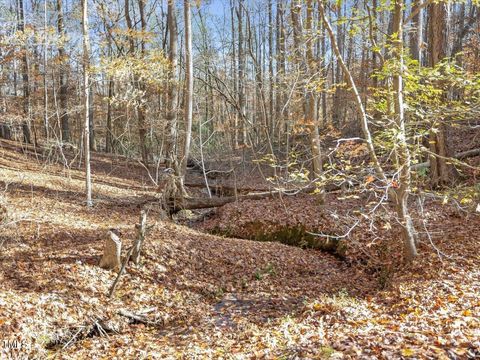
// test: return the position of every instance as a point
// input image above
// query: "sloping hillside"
(197, 295)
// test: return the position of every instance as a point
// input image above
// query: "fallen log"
(205, 203)
(468, 154)
(460, 156)
(220, 189)
(141, 319)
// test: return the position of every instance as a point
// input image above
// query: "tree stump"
(111, 252)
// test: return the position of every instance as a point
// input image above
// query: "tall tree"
(281, 103)
(188, 103)
(139, 108)
(234, 72)
(25, 76)
(311, 98)
(305, 59)
(400, 193)
(171, 128)
(271, 55)
(416, 34)
(338, 96)
(86, 94)
(441, 173)
(62, 73)
(45, 57)
(402, 150)
(241, 70)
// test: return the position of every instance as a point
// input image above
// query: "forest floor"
(216, 297)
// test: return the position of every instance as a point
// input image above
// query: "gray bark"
(86, 94)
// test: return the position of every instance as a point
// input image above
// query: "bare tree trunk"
(281, 109)
(241, 71)
(311, 100)
(441, 173)
(45, 57)
(260, 94)
(338, 97)
(235, 73)
(142, 125)
(138, 108)
(63, 91)
(373, 35)
(188, 104)
(416, 34)
(171, 128)
(25, 79)
(324, 71)
(91, 115)
(306, 63)
(271, 56)
(402, 151)
(109, 144)
(86, 93)
(465, 27)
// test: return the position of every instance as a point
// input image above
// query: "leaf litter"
(220, 297)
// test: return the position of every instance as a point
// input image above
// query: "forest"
(240, 179)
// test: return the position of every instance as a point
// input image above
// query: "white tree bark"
(86, 86)
(188, 111)
(403, 153)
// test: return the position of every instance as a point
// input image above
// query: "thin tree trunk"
(358, 100)
(188, 103)
(86, 93)
(373, 35)
(235, 73)
(306, 63)
(271, 56)
(241, 71)
(63, 91)
(338, 98)
(45, 89)
(109, 145)
(171, 129)
(281, 110)
(311, 97)
(142, 125)
(25, 79)
(324, 71)
(416, 34)
(139, 111)
(91, 115)
(403, 153)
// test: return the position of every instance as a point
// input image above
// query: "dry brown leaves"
(221, 297)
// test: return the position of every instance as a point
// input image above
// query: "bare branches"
(358, 99)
